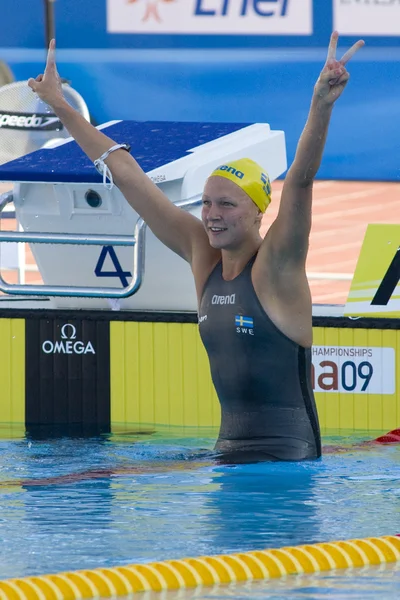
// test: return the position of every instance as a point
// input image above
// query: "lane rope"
(203, 570)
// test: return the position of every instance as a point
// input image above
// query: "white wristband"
(103, 168)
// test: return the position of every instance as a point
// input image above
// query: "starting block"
(89, 244)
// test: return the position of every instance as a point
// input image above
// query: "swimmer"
(255, 309)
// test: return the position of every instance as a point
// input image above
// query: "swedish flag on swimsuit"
(241, 321)
(249, 176)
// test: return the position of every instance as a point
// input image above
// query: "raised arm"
(177, 229)
(290, 232)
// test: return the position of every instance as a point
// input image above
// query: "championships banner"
(354, 369)
(367, 17)
(230, 17)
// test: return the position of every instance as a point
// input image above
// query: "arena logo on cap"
(232, 170)
(237, 17)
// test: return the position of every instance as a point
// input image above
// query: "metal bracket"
(137, 241)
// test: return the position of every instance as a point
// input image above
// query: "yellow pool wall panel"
(160, 374)
(12, 372)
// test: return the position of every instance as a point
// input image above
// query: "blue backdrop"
(219, 78)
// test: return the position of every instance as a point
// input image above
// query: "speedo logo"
(30, 121)
(238, 174)
(223, 299)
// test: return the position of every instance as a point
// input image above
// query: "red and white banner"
(230, 17)
(367, 17)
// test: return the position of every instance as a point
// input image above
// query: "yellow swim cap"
(249, 176)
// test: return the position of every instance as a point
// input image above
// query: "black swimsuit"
(262, 378)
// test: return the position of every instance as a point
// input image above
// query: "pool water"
(369, 583)
(72, 503)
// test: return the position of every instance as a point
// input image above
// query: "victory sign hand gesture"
(334, 76)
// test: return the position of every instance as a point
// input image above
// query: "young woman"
(255, 309)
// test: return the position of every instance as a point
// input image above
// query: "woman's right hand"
(48, 85)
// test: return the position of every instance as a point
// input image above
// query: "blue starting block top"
(154, 144)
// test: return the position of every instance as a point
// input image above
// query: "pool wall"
(103, 370)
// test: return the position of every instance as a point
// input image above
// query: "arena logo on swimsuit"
(230, 299)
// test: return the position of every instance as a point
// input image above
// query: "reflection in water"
(355, 584)
(264, 505)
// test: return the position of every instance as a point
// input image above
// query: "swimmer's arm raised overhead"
(177, 229)
(289, 233)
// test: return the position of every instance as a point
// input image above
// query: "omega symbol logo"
(64, 335)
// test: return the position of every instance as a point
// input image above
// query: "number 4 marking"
(118, 269)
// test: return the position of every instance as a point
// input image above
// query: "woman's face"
(229, 215)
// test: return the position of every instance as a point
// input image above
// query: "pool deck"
(341, 213)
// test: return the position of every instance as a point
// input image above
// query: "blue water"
(73, 503)
(369, 583)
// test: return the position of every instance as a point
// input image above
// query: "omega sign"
(68, 343)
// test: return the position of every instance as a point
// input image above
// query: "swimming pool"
(73, 503)
(360, 584)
